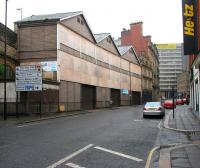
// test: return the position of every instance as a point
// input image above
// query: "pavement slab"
(182, 131)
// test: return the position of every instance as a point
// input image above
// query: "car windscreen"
(152, 104)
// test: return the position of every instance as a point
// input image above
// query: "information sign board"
(29, 78)
(125, 91)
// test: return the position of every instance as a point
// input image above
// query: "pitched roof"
(57, 16)
(54, 18)
(124, 49)
(99, 37)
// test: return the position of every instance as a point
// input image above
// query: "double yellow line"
(148, 163)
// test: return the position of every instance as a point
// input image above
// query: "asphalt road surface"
(102, 139)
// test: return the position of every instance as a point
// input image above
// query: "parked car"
(179, 102)
(153, 109)
(185, 101)
(168, 104)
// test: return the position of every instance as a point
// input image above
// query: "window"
(78, 20)
(108, 40)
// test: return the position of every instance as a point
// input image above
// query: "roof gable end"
(105, 41)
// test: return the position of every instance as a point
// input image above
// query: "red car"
(185, 101)
(168, 104)
(179, 102)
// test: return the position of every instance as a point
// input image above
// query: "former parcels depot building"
(90, 70)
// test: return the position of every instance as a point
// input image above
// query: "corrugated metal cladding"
(88, 97)
(135, 98)
(115, 97)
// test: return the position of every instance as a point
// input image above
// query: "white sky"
(162, 19)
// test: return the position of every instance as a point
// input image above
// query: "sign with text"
(189, 12)
(50, 66)
(125, 91)
(29, 78)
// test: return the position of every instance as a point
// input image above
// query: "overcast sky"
(162, 19)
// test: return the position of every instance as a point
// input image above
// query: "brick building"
(148, 55)
(11, 62)
(90, 70)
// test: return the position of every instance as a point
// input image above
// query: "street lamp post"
(5, 62)
(173, 99)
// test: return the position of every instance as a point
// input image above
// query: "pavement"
(185, 153)
(38, 117)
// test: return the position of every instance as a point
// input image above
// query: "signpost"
(173, 100)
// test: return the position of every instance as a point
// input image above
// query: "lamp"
(20, 9)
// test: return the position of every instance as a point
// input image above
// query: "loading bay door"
(115, 97)
(135, 98)
(88, 97)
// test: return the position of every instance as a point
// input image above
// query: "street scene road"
(104, 138)
(108, 138)
(125, 94)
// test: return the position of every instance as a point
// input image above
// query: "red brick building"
(134, 36)
(148, 56)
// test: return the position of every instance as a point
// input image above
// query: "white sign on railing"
(29, 78)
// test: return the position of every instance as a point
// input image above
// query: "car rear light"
(144, 108)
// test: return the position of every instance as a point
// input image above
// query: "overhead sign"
(189, 10)
(28, 78)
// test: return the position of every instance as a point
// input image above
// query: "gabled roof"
(99, 37)
(57, 16)
(124, 49)
(54, 18)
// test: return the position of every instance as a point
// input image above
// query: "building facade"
(90, 70)
(171, 65)
(183, 89)
(11, 47)
(11, 63)
(191, 36)
(195, 84)
(148, 56)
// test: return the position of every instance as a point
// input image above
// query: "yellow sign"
(166, 46)
(189, 23)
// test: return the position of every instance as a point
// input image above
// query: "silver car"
(154, 109)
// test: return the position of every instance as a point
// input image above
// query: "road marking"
(119, 154)
(74, 165)
(150, 156)
(159, 125)
(70, 156)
